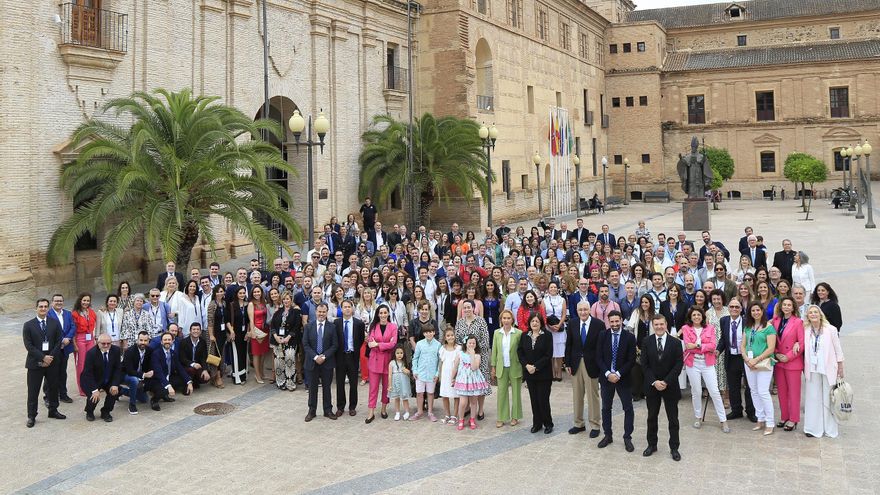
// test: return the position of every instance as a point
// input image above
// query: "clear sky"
(655, 4)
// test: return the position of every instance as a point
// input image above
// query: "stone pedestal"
(695, 214)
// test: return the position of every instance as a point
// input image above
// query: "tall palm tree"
(447, 157)
(184, 160)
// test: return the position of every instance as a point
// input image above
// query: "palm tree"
(184, 160)
(447, 157)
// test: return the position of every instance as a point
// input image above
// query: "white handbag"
(841, 400)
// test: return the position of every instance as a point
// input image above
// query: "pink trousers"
(82, 347)
(788, 387)
(375, 378)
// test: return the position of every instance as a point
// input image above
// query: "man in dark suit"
(707, 241)
(332, 239)
(394, 237)
(581, 232)
(350, 335)
(582, 339)
(732, 335)
(68, 332)
(615, 357)
(169, 374)
(661, 364)
(102, 371)
(502, 230)
(194, 355)
(319, 347)
(156, 342)
(784, 259)
(241, 280)
(755, 253)
(606, 237)
(744, 240)
(42, 340)
(348, 243)
(169, 272)
(378, 236)
(136, 362)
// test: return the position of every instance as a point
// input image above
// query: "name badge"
(281, 331)
(88, 337)
(814, 359)
(45, 347)
(750, 355)
(490, 320)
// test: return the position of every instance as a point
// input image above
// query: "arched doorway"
(280, 110)
(485, 88)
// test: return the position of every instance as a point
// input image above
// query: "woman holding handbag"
(216, 313)
(237, 324)
(381, 341)
(758, 347)
(789, 361)
(699, 359)
(824, 366)
(286, 325)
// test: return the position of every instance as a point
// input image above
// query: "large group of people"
(413, 316)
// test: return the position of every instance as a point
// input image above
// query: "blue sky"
(654, 4)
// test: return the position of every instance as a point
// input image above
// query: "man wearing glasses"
(159, 310)
(102, 372)
(732, 335)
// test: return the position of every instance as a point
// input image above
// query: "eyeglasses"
(719, 269)
(154, 296)
(734, 307)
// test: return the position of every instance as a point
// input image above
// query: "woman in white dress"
(802, 272)
(823, 365)
(183, 311)
(555, 309)
(110, 320)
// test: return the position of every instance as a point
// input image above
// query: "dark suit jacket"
(310, 340)
(348, 244)
(337, 242)
(372, 236)
(680, 314)
(32, 335)
(666, 367)
(130, 361)
(186, 352)
(743, 243)
(626, 355)
(69, 329)
(574, 349)
(582, 238)
(292, 326)
(232, 292)
(724, 344)
(160, 282)
(538, 355)
(394, 239)
(760, 256)
(611, 239)
(358, 331)
(704, 250)
(783, 261)
(93, 370)
(161, 368)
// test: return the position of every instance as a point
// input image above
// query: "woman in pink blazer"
(790, 362)
(381, 340)
(699, 360)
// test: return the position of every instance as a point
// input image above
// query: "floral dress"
(469, 381)
(714, 319)
(479, 328)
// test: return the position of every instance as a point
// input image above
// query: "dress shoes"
(330, 415)
(168, 399)
(594, 433)
(676, 456)
(56, 415)
(31, 422)
(66, 399)
(90, 416)
(339, 413)
(606, 441)
(384, 415)
(369, 419)
(309, 417)
(107, 418)
(154, 405)
(629, 445)
(535, 429)
(735, 415)
(574, 430)
(648, 451)
(753, 419)
(352, 412)
(548, 430)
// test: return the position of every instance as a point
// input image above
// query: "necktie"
(659, 345)
(345, 333)
(583, 334)
(168, 361)
(734, 337)
(106, 377)
(614, 342)
(195, 346)
(140, 361)
(319, 348)
(43, 327)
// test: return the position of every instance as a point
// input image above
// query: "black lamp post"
(297, 124)
(489, 135)
(866, 150)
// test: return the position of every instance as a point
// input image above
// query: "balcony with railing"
(588, 118)
(485, 103)
(396, 78)
(92, 38)
(605, 121)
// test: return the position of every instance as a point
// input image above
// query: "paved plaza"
(264, 446)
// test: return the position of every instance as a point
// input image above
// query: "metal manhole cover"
(214, 409)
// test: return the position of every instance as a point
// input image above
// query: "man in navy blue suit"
(169, 375)
(68, 331)
(319, 347)
(615, 357)
(102, 372)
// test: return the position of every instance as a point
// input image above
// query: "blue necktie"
(319, 347)
(106, 378)
(43, 327)
(168, 361)
(345, 333)
(614, 342)
(583, 334)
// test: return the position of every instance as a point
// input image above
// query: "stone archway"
(484, 79)
(280, 110)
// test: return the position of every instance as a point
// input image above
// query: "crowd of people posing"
(449, 316)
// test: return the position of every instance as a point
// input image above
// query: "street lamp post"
(859, 214)
(536, 159)
(844, 153)
(866, 149)
(855, 195)
(625, 184)
(604, 184)
(489, 135)
(297, 124)
(577, 182)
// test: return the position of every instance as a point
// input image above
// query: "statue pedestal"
(695, 214)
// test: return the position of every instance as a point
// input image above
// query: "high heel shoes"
(759, 426)
(790, 427)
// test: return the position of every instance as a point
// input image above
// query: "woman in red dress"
(85, 319)
(257, 318)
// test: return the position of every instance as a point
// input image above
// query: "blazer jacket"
(706, 339)
(626, 355)
(724, 343)
(160, 282)
(497, 357)
(665, 367)
(160, 367)
(791, 334)
(92, 376)
(186, 353)
(292, 326)
(760, 257)
(32, 335)
(833, 353)
(380, 356)
(68, 330)
(575, 350)
(678, 320)
(357, 330)
(131, 358)
(539, 354)
(310, 344)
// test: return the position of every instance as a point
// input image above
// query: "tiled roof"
(772, 55)
(755, 10)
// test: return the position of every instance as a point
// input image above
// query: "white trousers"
(759, 382)
(818, 419)
(699, 371)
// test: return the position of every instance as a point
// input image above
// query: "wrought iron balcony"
(396, 78)
(96, 28)
(485, 103)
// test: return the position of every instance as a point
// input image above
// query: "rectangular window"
(696, 109)
(615, 102)
(734, 12)
(505, 178)
(558, 99)
(618, 159)
(834, 33)
(612, 48)
(646, 158)
(839, 164)
(482, 7)
(627, 47)
(583, 44)
(640, 46)
(587, 116)
(630, 101)
(741, 40)
(839, 98)
(564, 34)
(764, 106)
(524, 181)
(768, 162)
(643, 101)
(542, 23)
(514, 12)
(530, 97)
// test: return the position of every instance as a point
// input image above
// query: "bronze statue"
(695, 172)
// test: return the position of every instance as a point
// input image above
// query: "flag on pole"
(551, 136)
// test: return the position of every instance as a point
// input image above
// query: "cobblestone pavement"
(264, 446)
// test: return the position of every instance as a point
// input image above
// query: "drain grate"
(872, 257)
(214, 409)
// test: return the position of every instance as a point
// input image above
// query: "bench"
(614, 202)
(653, 196)
(587, 208)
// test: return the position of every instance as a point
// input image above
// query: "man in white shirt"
(515, 300)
